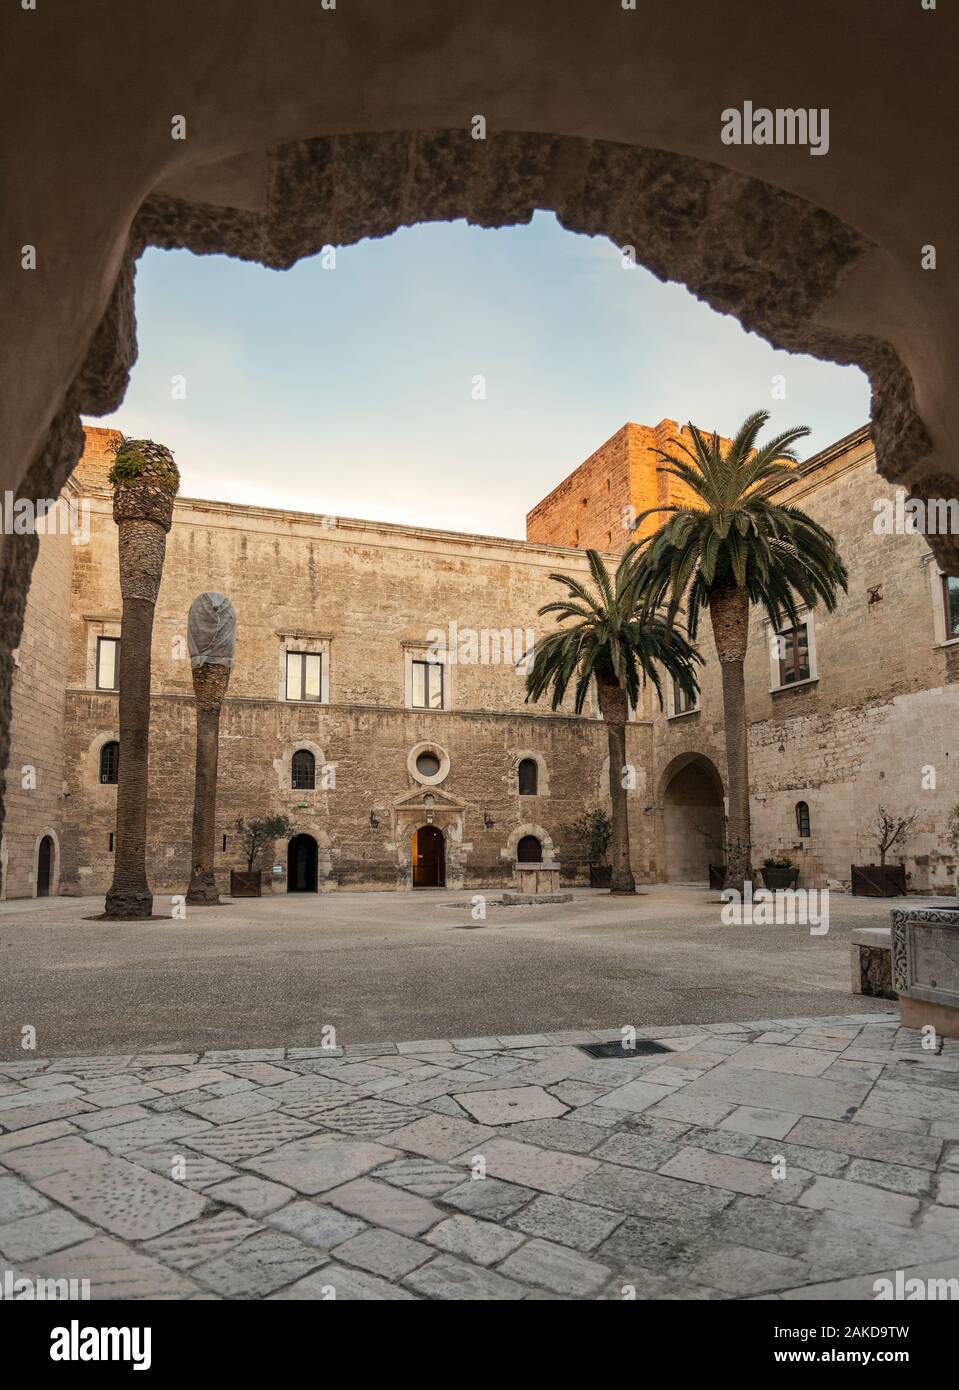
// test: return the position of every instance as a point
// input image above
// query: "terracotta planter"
(245, 883)
(717, 875)
(779, 877)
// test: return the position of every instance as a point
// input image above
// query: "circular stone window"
(427, 764)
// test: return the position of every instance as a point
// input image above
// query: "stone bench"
(872, 962)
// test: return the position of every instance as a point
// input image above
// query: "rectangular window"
(303, 675)
(950, 598)
(794, 655)
(427, 685)
(682, 703)
(108, 663)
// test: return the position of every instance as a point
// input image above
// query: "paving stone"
(949, 1189)
(603, 1119)
(805, 1095)
(139, 1134)
(252, 1195)
(338, 1283)
(18, 1199)
(206, 1239)
(482, 1242)
(28, 1116)
(865, 1141)
(658, 1247)
(37, 1134)
(766, 1225)
(568, 1135)
(383, 1205)
(384, 1252)
(529, 1166)
(23, 1098)
(489, 1197)
(636, 1150)
(659, 1129)
(825, 1162)
(841, 1245)
(245, 1054)
(197, 1078)
(320, 1162)
(861, 1201)
(239, 1106)
(449, 1278)
(315, 1223)
(574, 1092)
(444, 1105)
(651, 1195)
(420, 1175)
(720, 1141)
(550, 1266)
(899, 1099)
(770, 1124)
(737, 1174)
(115, 1271)
(370, 1118)
(739, 1270)
(913, 1182)
(438, 1136)
(511, 1105)
(694, 1109)
(245, 1139)
(181, 1164)
(42, 1233)
(567, 1223)
(260, 1073)
(259, 1265)
(164, 1059)
(103, 1119)
(789, 1060)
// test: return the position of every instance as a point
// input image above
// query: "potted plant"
(779, 873)
(593, 830)
(256, 836)
(884, 880)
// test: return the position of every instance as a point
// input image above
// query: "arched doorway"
(301, 865)
(44, 867)
(429, 858)
(692, 820)
(529, 850)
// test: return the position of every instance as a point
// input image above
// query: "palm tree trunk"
(142, 549)
(209, 687)
(613, 705)
(729, 613)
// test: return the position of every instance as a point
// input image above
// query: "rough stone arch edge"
(723, 234)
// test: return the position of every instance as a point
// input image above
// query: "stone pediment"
(427, 799)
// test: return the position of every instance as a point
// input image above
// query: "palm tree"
(145, 481)
(618, 640)
(211, 636)
(728, 548)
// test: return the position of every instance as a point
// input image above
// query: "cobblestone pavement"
(781, 1158)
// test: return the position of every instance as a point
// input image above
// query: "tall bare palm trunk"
(143, 512)
(614, 707)
(209, 687)
(729, 613)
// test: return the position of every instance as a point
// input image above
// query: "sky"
(357, 389)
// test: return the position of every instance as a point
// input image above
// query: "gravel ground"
(402, 966)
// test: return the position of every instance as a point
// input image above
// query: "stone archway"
(692, 818)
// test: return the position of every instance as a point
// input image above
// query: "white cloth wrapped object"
(211, 630)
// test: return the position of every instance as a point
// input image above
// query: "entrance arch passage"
(530, 850)
(301, 865)
(44, 867)
(692, 820)
(429, 858)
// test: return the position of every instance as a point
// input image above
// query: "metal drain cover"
(616, 1049)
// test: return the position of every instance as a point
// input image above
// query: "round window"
(427, 764)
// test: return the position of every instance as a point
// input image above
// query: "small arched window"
(303, 771)
(528, 777)
(110, 762)
(529, 850)
(802, 819)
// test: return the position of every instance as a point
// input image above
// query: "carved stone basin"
(925, 965)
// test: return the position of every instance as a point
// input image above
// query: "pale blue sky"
(348, 391)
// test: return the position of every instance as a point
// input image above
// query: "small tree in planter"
(256, 836)
(593, 831)
(888, 830)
